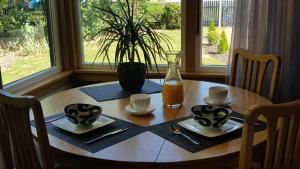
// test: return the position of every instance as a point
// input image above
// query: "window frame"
(217, 69)
(54, 47)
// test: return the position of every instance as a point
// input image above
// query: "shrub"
(212, 26)
(171, 17)
(90, 23)
(29, 45)
(223, 46)
(213, 37)
(153, 13)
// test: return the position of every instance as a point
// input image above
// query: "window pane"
(164, 17)
(24, 44)
(217, 22)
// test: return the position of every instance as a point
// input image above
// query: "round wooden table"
(148, 150)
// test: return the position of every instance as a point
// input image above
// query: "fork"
(176, 130)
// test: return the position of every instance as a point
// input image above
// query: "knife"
(54, 119)
(107, 134)
(242, 120)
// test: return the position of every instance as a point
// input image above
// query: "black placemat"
(78, 140)
(163, 130)
(114, 91)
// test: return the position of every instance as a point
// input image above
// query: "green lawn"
(90, 49)
(23, 66)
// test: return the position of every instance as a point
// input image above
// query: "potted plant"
(136, 45)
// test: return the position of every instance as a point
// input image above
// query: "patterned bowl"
(82, 114)
(211, 117)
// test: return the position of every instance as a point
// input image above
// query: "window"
(216, 24)
(164, 17)
(26, 36)
(212, 46)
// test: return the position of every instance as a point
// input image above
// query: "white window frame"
(219, 69)
(34, 78)
(106, 67)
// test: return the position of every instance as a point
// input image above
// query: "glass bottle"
(172, 94)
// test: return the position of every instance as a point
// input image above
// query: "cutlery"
(228, 129)
(176, 130)
(242, 120)
(107, 134)
(54, 119)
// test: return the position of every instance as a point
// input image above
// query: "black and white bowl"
(82, 114)
(211, 117)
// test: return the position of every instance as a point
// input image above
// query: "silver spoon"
(177, 131)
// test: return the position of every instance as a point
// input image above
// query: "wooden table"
(148, 150)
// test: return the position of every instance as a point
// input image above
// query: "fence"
(221, 11)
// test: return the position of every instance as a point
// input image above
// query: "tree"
(91, 21)
(172, 16)
(212, 26)
(213, 35)
(12, 17)
(223, 46)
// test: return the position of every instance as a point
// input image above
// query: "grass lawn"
(23, 66)
(31, 65)
(90, 49)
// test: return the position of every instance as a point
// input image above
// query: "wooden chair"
(16, 135)
(254, 70)
(283, 135)
(1, 81)
(5, 153)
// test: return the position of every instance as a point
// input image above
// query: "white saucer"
(192, 125)
(150, 109)
(65, 124)
(211, 102)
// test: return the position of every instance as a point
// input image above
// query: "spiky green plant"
(223, 45)
(134, 39)
(212, 26)
(213, 35)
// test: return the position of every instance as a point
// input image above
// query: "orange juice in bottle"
(172, 94)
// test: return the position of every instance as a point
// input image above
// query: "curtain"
(269, 27)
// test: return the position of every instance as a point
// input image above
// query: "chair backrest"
(17, 140)
(283, 135)
(254, 70)
(1, 81)
(5, 153)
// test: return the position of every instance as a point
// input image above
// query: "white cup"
(218, 93)
(140, 102)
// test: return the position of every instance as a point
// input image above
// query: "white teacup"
(140, 102)
(218, 93)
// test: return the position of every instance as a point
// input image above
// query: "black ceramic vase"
(132, 76)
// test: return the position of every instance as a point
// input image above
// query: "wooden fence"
(221, 11)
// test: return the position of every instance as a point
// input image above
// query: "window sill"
(92, 75)
(45, 86)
